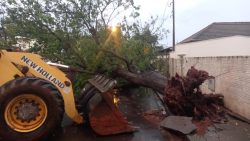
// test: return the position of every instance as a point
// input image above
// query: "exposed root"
(184, 97)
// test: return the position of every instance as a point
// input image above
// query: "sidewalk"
(234, 130)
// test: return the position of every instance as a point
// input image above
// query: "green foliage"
(77, 32)
(79, 82)
(138, 52)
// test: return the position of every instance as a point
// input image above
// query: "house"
(223, 50)
(24, 43)
(217, 39)
(164, 53)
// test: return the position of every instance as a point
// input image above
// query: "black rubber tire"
(41, 88)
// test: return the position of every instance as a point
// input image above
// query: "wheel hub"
(27, 111)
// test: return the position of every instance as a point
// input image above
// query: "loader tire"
(30, 109)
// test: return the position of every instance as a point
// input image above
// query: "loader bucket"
(106, 120)
(104, 117)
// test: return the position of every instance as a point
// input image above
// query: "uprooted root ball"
(184, 97)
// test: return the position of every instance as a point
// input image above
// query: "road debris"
(179, 123)
(154, 116)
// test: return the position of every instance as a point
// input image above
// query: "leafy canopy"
(77, 32)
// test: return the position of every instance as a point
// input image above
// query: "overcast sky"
(193, 15)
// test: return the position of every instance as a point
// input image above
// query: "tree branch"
(127, 62)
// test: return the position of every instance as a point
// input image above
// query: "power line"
(164, 12)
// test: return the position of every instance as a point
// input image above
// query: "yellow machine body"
(37, 67)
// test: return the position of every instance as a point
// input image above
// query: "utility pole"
(173, 4)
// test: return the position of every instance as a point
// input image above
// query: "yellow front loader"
(34, 95)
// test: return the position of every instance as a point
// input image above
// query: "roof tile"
(220, 29)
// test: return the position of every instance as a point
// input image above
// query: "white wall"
(227, 46)
(232, 78)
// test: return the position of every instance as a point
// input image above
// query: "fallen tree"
(150, 79)
(182, 95)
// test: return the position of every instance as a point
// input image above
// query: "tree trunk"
(181, 94)
(150, 79)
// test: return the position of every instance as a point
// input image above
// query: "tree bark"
(150, 79)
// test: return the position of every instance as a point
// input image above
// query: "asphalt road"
(133, 105)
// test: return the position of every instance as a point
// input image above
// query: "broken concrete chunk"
(179, 123)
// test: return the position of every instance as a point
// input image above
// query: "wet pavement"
(234, 130)
(133, 105)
